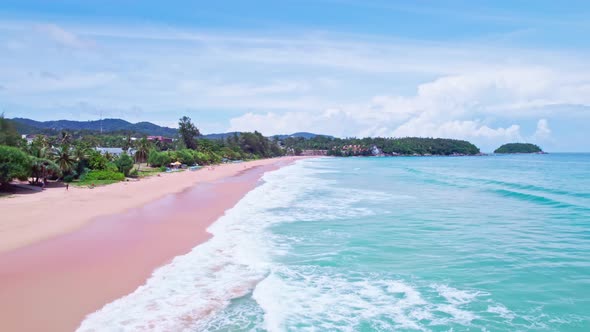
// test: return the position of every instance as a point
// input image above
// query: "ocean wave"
(305, 298)
(195, 287)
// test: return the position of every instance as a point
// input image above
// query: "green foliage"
(42, 168)
(518, 148)
(97, 161)
(63, 157)
(8, 134)
(157, 159)
(124, 164)
(185, 156)
(188, 132)
(95, 175)
(388, 146)
(143, 149)
(13, 164)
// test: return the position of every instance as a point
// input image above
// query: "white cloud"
(543, 131)
(457, 106)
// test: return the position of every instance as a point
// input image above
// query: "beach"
(66, 253)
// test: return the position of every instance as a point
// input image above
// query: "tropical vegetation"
(518, 148)
(73, 157)
(381, 146)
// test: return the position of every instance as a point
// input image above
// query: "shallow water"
(497, 243)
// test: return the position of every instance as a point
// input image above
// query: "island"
(518, 148)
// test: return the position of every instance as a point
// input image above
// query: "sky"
(490, 72)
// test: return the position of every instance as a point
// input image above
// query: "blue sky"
(487, 71)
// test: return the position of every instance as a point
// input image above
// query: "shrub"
(103, 175)
(97, 161)
(157, 159)
(111, 166)
(13, 164)
(124, 164)
(185, 156)
(134, 173)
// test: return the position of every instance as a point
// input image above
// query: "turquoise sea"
(492, 243)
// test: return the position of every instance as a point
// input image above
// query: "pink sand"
(81, 256)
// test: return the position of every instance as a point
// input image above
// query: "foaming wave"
(194, 288)
(313, 298)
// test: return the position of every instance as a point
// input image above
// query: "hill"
(117, 126)
(28, 126)
(305, 135)
(518, 148)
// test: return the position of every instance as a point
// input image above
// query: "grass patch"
(88, 183)
(144, 172)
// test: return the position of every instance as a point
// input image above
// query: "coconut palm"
(81, 152)
(65, 137)
(63, 158)
(143, 149)
(39, 147)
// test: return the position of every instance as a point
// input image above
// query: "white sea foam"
(315, 299)
(501, 311)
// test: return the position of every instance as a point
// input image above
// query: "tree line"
(73, 157)
(387, 146)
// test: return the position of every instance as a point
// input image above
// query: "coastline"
(30, 218)
(109, 240)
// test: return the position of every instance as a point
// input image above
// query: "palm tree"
(65, 137)
(80, 152)
(63, 158)
(39, 147)
(143, 149)
(127, 143)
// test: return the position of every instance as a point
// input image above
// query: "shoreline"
(25, 217)
(59, 280)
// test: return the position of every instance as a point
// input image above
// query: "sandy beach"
(64, 254)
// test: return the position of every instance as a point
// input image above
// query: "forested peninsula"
(380, 146)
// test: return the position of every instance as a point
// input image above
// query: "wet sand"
(51, 285)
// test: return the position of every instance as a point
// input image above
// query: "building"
(30, 137)
(114, 151)
(160, 139)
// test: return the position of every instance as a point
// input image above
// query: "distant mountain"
(220, 135)
(305, 135)
(28, 126)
